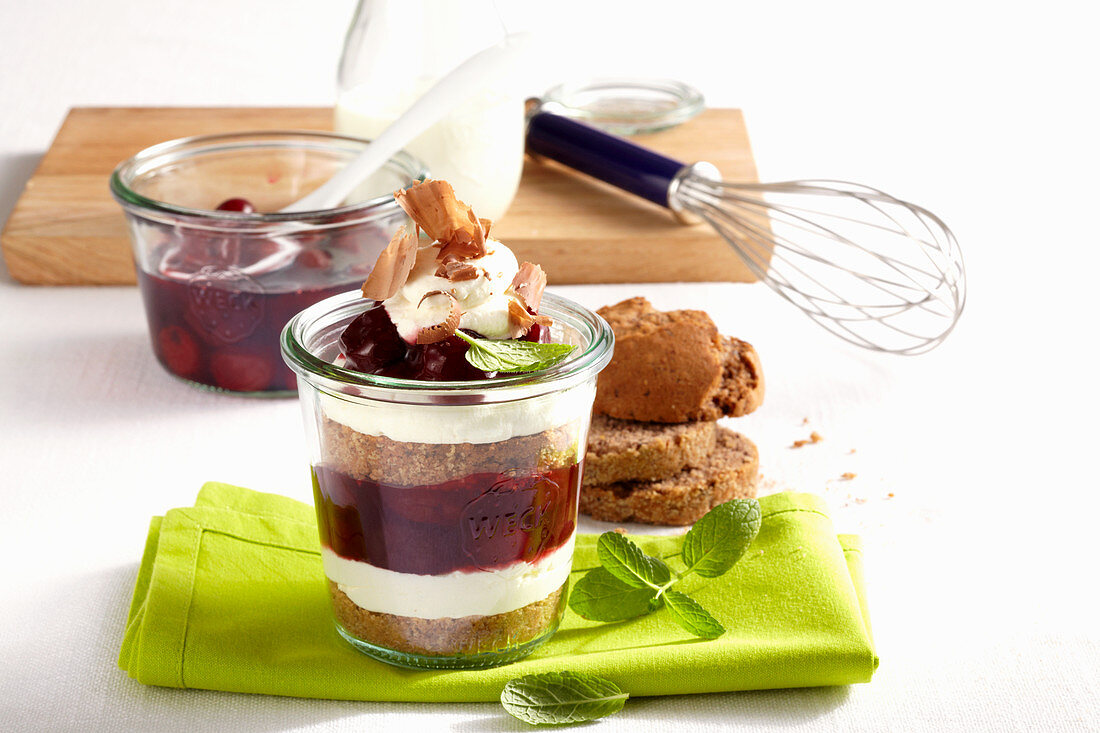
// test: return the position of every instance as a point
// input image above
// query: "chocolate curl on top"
(519, 319)
(440, 331)
(528, 284)
(393, 266)
(456, 270)
(433, 207)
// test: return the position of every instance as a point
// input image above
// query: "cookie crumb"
(890, 495)
(619, 530)
(815, 437)
(847, 475)
(805, 421)
(853, 450)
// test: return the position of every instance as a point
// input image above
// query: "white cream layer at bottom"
(454, 595)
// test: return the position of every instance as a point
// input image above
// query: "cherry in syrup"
(241, 206)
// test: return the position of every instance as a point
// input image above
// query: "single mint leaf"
(512, 355)
(557, 698)
(600, 596)
(720, 537)
(626, 561)
(693, 617)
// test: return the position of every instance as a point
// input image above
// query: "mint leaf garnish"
(557, 698)
(720, 537)
(626, 561)
(630, 583)
(512, 355)
(600, 596)
(693, 617)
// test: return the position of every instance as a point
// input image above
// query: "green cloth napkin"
(231, 596)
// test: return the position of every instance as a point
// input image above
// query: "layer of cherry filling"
(479, 522)
(371, 345)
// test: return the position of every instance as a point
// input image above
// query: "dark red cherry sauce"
(477, 522)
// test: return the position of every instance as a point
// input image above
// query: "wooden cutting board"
(67, 230)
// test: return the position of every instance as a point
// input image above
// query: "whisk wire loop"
(874, 270)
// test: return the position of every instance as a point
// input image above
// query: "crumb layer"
(378, 458)
(449, 636)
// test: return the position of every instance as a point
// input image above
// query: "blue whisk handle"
(601, 155)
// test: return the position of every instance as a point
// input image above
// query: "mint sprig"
(630, 583)
(600, 596)
(720, 538)
(626, 561)
(558, 698)
(512, 355)
(690, 615)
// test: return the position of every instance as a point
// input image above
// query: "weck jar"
(221, 270)
(447, 511)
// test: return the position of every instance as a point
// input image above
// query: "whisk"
(876, 271)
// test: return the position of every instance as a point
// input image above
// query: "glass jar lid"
(625, 106)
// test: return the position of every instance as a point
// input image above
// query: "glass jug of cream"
(394, 51)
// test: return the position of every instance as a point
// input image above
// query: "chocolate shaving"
(430, 293)
(393, 266)
(440, 331)
(456, 270)
(528, 284)
(519, 319)
(433, 207)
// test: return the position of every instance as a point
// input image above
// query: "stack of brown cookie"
(655, 451)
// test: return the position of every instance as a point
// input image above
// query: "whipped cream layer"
(489, 422)
(454, 595)
(421, 302)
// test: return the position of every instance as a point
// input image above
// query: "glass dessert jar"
(447, 510)
(221, 271)
(478, 146)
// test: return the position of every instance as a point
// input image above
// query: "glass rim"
(682, 102)
(577, 367)
(177, 149)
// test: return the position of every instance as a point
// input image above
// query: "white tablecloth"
(975, 488)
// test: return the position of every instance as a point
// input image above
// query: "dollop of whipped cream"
(463, 279)
(426, 298)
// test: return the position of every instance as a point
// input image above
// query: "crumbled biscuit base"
(448, 636)
(378, 458)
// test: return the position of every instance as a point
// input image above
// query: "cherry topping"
(372, 345)
(371, 342)
(243, 206)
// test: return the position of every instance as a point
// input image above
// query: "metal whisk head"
(876, 271)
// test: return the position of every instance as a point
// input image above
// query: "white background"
(976, 488)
